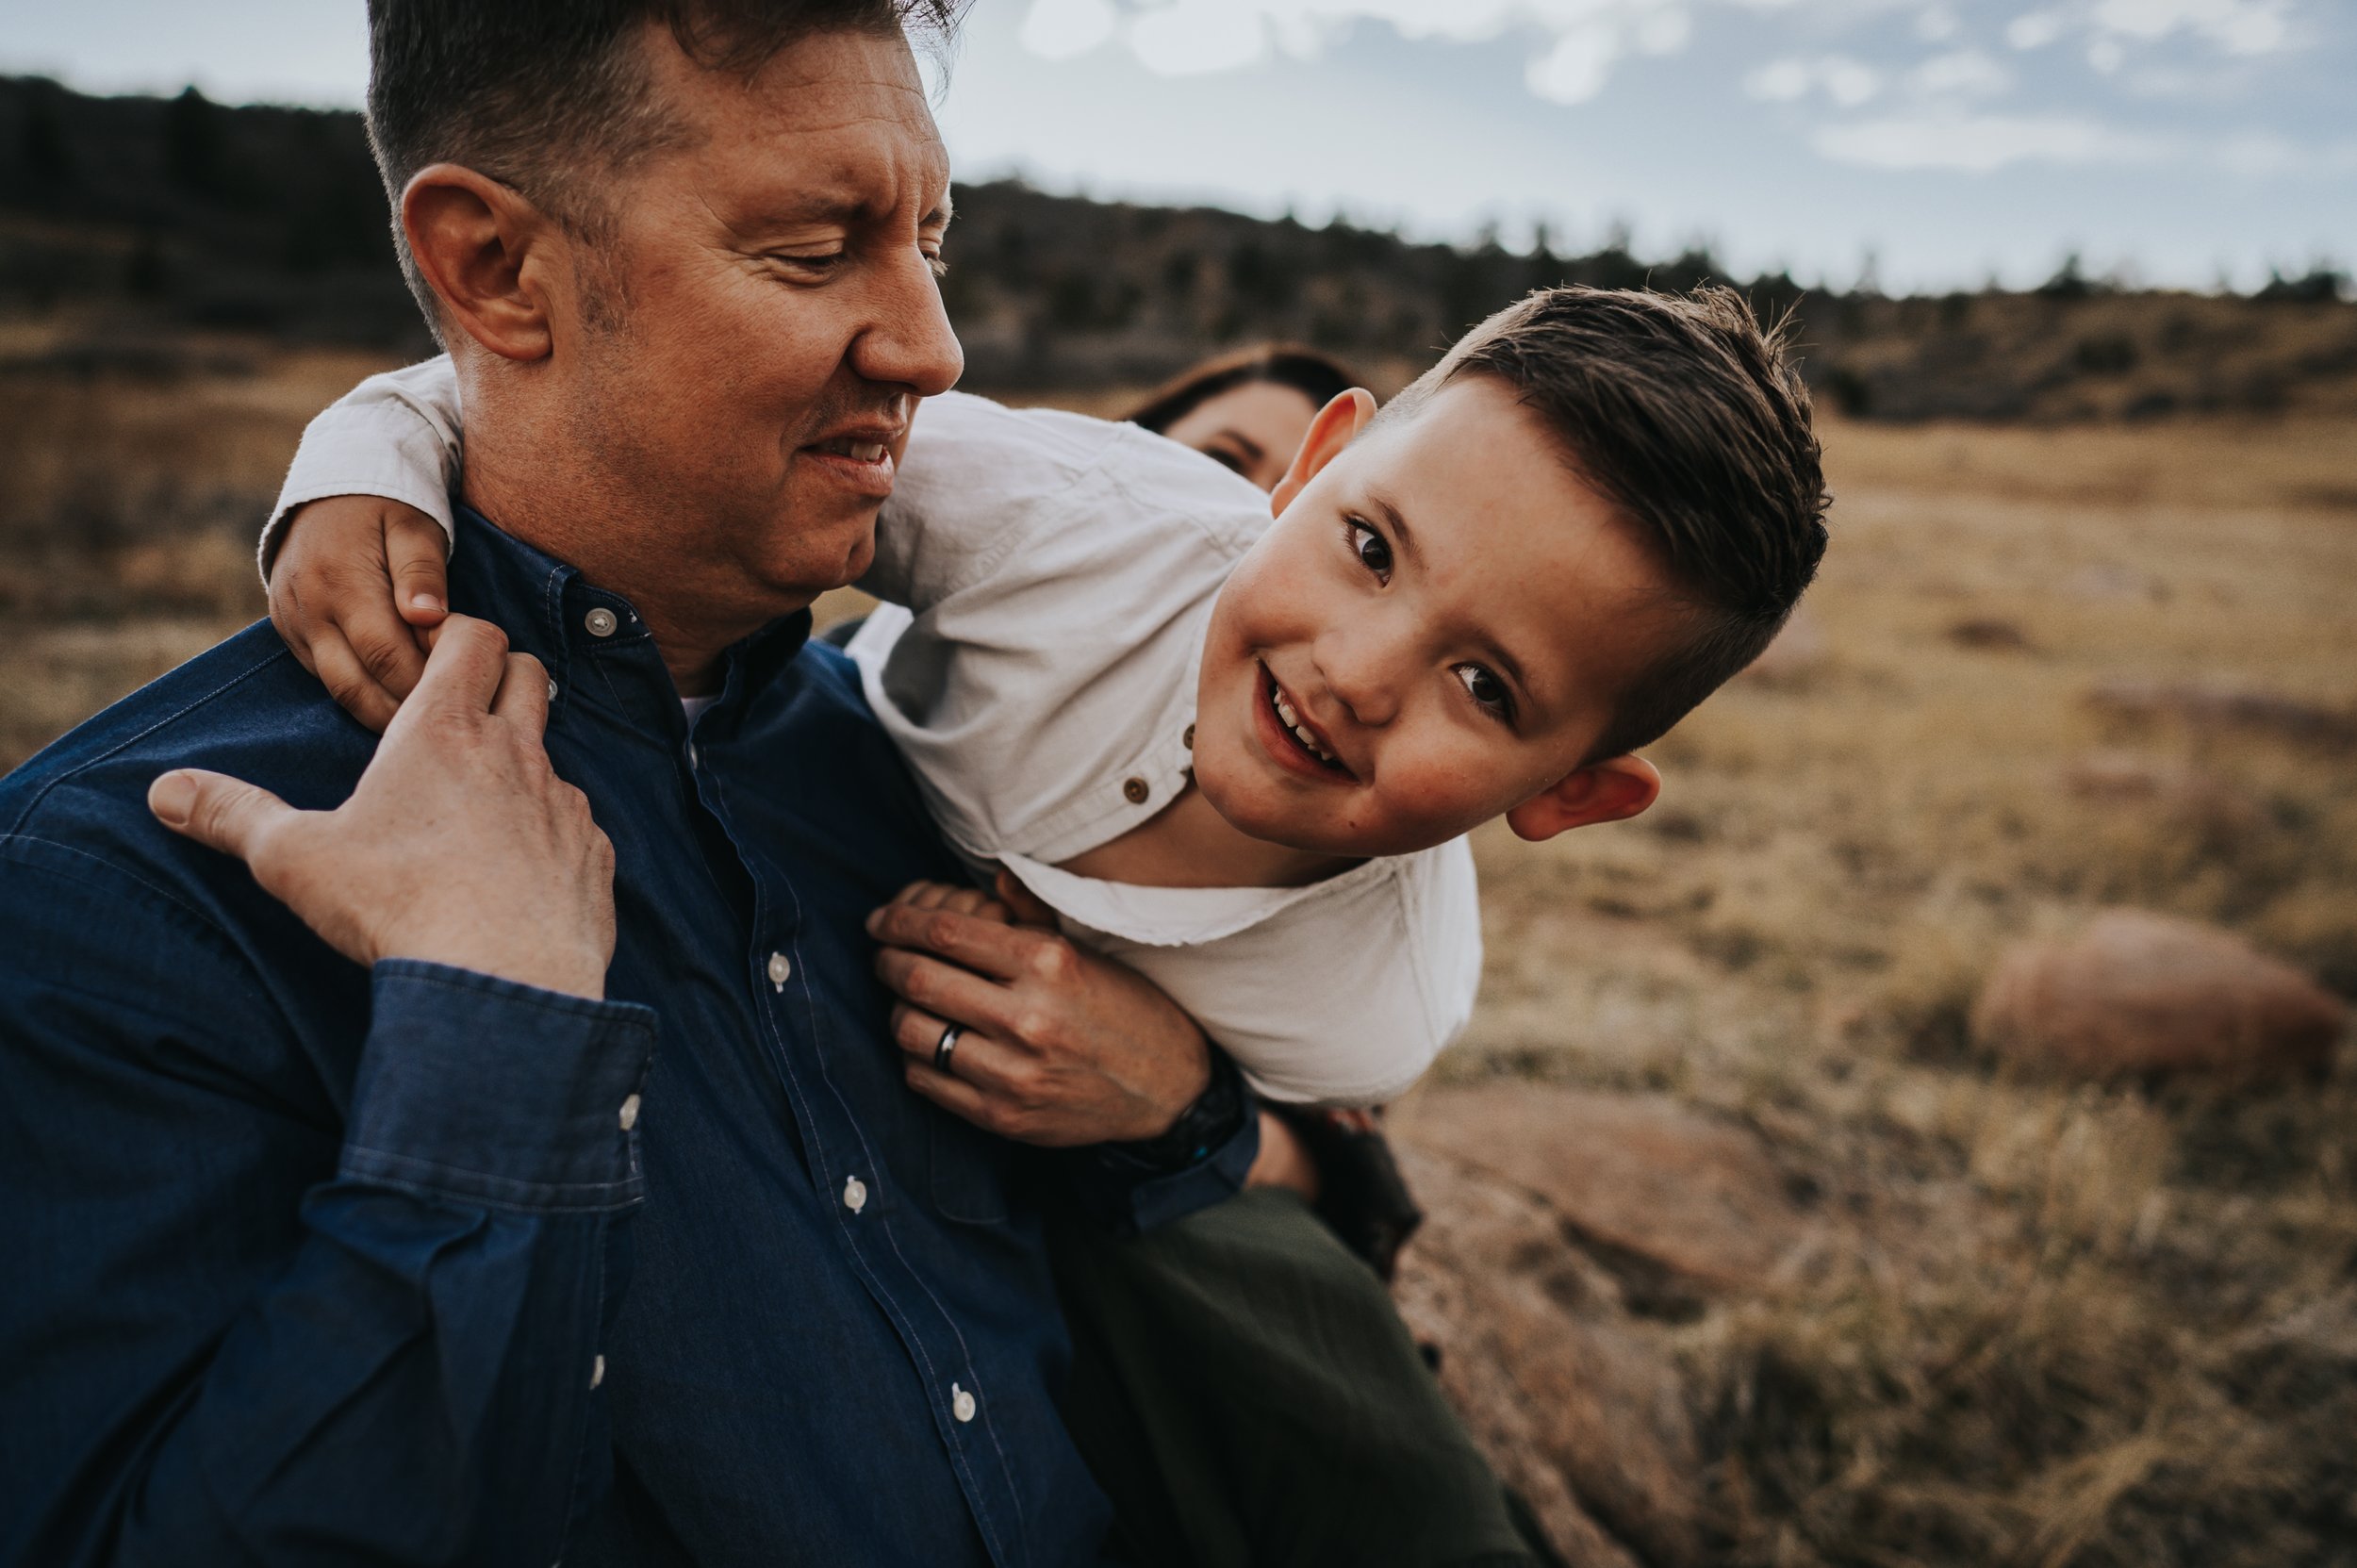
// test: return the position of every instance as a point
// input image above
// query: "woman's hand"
(356, 583)
(1058, 1046)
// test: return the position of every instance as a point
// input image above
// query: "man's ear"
(1337, 425)
(1612, 790)
(480, 246)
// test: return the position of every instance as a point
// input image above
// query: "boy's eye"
(1372, 550)
(1486, 689)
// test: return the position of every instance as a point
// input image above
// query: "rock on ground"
(1564, 1391)
(2139, 993)
(1641, 1177)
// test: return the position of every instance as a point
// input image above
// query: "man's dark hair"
(1694, 423)
(551, 97)
(1319, 377)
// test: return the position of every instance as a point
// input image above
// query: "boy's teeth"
(1292, 723)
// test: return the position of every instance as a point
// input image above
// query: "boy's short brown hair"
(1693, 421)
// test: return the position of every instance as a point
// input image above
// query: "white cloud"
(2033, 30)
(1059, 29)
(1846, 81)
(2235, 26)
(1979, 143)
(1961, 74)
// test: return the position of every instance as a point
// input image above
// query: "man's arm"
(250, 1323)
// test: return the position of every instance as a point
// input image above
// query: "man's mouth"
(1297, 730)
(859, 452)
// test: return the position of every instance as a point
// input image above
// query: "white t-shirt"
(1048, 580)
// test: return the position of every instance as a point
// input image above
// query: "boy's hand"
(356, 583)
(460, 845)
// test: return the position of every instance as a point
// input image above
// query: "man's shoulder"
(245, 707)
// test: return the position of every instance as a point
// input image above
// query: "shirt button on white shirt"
(628, 1118)
(781, 970)
(600, 622)
(854, 1194)
(961, 1403)
(1135, 791)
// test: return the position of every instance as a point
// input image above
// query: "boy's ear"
(1337, 425)
(1612, 790)
(484, 250)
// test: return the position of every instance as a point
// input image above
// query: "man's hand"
(356, 583)
(1060, 1047)
(461, 846)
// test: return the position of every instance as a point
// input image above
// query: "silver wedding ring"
(949, 1043)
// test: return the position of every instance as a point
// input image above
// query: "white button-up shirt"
(1048, 580)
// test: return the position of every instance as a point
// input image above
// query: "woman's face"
(1255, 429)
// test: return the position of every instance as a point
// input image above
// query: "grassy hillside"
(128, 223)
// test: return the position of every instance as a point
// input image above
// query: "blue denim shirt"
(310, 1264)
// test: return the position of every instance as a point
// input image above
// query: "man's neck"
(691, 629)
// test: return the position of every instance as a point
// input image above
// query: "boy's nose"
(1355, 672)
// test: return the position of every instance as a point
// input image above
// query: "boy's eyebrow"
(1381, 506)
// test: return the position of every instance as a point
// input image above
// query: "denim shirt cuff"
(486, 1090)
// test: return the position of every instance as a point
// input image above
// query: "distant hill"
(141, 220)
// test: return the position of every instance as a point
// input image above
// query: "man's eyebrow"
(939, 217)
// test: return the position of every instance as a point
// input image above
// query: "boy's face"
(1434, 633)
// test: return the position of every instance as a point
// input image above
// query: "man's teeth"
(1293, 722)
(864, 452)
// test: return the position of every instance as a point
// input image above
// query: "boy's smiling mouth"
(1297, 740)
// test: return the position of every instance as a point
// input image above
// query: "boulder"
(1574, 1402)
(2139, 993)
(1664, 1189)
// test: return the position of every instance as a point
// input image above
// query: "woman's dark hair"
(1316, 376)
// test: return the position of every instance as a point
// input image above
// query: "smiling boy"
(1236, 744)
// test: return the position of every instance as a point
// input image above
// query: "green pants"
(1246, 1395)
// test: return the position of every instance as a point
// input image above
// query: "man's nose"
(910, 342)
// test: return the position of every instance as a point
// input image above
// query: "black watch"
(1215, 1116)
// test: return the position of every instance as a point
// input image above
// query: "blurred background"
(1923, 1139)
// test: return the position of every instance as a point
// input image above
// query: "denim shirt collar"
(594, 643)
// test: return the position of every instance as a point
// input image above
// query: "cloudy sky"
(2179, 141)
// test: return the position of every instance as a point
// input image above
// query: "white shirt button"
(695, 758)
(597, 1372)
(630, 1112)
(600, 622)
(552, 691)
(961, 1403)
(854, 1194)
(781, 970)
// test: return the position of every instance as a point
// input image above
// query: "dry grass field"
(2049, 1324)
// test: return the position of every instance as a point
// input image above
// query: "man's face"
(1435, 630)
(745, 373)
